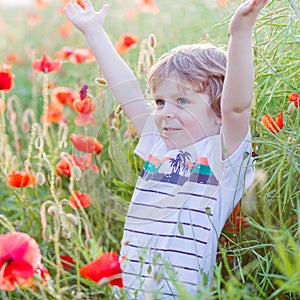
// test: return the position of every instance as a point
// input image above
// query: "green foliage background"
(261, 261)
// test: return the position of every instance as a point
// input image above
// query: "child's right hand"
(245, 16)
(86, 20)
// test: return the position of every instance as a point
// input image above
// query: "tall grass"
(260, 261)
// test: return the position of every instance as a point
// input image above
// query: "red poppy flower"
(148, 6)
(86, 143)
(64, 53)
(12, 58)
(41, 275)
(2, 105)
(104, 268)
(295, 98)
(125, 41)
(271, 124)
(85, 107)
(67, 262)
(64, 29)
(54, 113)
(20, 179)
(46, 65)
(84, 162)
(64, 95)
(34, 19)
(236, 221)
(63, 167)
(81, 55)
(80, 2)
(41, 4)
(221, 2)
(78, 199)
(20, 258)
(6, 78)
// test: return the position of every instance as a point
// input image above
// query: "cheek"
(156, 118)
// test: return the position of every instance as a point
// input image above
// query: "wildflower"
(63, 53)
(67, 162)
(85, 107)
(54, 113)
(64, 166)
(67, 262)
(20, 179)
(41, 275)
(6, 78)
(104, 268)
(295, 98)
(64, 30)
(86, 143)
(125, 41)
(80, 2)
(34, 18)
(78, 199)
(271, 124)
(221, 2)
(236, 221)
(79, 56)
(148, 6)
(20, 258)
(64, 95)
(85, 162)
(46, 65)
(12, 58)
(41, 4)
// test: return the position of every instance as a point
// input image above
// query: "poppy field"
(67, 171)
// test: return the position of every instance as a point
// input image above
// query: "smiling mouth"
(170, 129)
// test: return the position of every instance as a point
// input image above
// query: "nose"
(168, 110)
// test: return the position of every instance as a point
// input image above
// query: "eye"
(160, 103)
(182, 101)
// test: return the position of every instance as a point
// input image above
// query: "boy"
(196, 144)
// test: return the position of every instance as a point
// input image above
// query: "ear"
(218, 120)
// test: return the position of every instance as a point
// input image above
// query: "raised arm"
(239, 80)
(122, 81)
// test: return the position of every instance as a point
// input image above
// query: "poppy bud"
(40, 178)
(101, 81)
(291, 108)
(152, 40)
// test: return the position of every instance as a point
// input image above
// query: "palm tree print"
(179, 162)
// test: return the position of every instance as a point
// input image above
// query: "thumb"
(104, 10)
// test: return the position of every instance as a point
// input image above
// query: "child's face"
(182, 115)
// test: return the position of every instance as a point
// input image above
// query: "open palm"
(85, 19)
(246, 15)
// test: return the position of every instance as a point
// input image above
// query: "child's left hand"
(245, 16)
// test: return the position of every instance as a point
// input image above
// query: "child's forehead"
(173, 82)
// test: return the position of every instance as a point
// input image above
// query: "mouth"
(170, 129)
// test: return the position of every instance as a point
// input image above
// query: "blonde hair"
(200, 66)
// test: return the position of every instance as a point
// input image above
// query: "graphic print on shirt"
(178, 170)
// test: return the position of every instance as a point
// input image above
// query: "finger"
(69, 9)
(67, 12)
(104, 10)
(88, 5)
